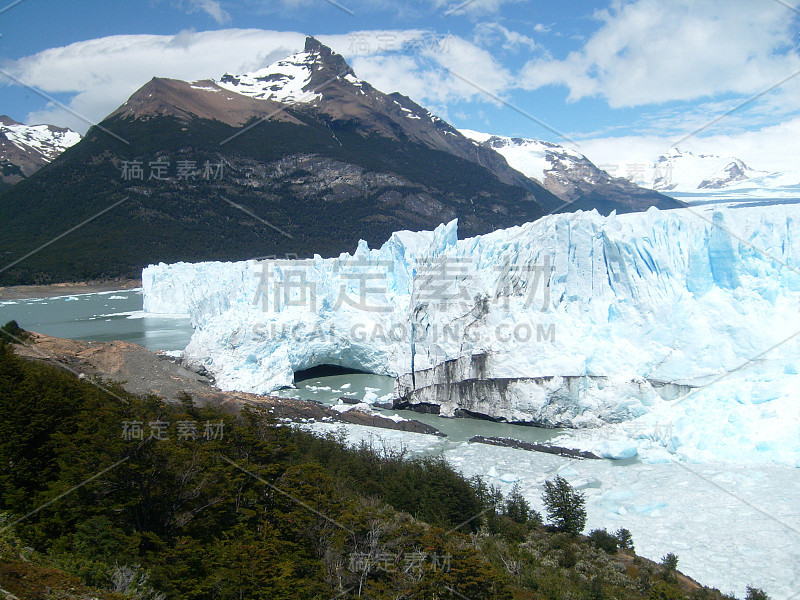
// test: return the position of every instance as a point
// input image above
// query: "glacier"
(658, 334)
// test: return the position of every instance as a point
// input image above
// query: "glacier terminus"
(653, 334)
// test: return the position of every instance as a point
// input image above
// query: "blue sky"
(622, 79)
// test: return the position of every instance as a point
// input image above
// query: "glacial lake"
(102, 317)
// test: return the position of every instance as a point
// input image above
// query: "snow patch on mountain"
(285, 81)
(680, 170)
(298, 78)
(45, 141)
(569, 175)
(532, 158)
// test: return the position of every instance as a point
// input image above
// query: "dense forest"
(107, 495)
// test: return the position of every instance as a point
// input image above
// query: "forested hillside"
(106, 495)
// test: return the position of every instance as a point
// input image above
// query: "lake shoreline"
(27, 292)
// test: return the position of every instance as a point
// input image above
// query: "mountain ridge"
(309, 161)
(24, 149)
(570, 175)
(684, 171)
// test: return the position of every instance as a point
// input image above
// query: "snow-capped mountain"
(24, 149)
(683, 171)
(538, 159)
(316, 82)
(318, 79)
(322, 156)
(570, 175)
(293, 79)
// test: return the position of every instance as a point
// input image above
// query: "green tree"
(754, 593)
(602, 540)
(670, 564)
(518, 510)
(565, 506)
(670, 561)
(624, 539)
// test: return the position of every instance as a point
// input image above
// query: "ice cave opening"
(326, 370)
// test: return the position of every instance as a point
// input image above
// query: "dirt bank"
(143, 372)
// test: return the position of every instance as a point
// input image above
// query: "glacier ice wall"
(575, 319)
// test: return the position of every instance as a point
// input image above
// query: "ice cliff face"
(576, 320)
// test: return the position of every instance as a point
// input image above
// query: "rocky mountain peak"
(295, 79)
(331, 63)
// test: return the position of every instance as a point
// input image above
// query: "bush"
(12, 333)
(756, 594)
(565, 506)
(602, 540)
(665, 591)
(670, 562)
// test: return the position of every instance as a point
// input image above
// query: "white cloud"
(212, 8)
(650, 51)
(771, 148)
(472, 8)
(489, 34)
(101, 74)
(371, 42)
(431, 69)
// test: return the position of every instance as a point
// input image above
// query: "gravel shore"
(23, 292)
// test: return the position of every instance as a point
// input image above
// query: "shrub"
(602, 540)
(12, 333)
(664, 591)
(756, 594)
(670, 562)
